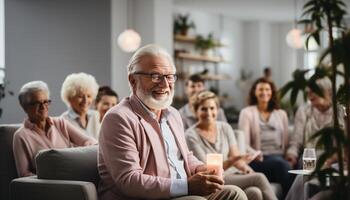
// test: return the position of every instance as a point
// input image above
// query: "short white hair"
(76, 82)
(148, 50)
(30, 88)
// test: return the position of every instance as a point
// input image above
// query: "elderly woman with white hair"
(310, 118)
(78, 91)
(39, 131)
(316, 114)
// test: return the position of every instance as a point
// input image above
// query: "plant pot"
(184, 31)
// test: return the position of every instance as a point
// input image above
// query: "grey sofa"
(69, 174)
(7, 163)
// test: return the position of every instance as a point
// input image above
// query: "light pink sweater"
(29, 140)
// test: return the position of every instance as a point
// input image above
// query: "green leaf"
(293, 96)
(283, 91)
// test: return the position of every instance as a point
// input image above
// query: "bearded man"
(142, 151)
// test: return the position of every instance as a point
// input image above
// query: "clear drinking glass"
(309, 159)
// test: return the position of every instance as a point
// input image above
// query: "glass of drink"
(214, 163)
(309, 159)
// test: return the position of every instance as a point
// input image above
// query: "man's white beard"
(153, 103)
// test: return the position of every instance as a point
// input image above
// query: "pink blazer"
(132, 161)
(249, 123)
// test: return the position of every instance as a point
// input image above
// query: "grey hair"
(325, 85)
(30, 88)
(75, 82)
(148, 50)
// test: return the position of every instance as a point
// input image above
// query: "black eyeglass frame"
(38, 103)
(157, 78)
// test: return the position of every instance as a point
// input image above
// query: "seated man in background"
(106, 98)
(143, 152)
(39, 131)
(195, 84)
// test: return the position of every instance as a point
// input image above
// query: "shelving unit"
(185, 56)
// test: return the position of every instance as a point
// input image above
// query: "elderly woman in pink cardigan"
(39, 131)
(266, 129)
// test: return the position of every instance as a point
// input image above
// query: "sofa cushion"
(78, 163)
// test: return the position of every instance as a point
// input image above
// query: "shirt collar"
(28, 124)
(73, 115)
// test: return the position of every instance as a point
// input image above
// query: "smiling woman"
(78, 92)
(266, 129)
(40, 131)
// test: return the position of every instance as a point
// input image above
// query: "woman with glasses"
(78, 93)
(39, 131)
(211, 136)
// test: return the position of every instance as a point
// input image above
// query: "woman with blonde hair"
(78, 92)
(211, 136)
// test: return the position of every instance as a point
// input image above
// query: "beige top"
(200, 146)
(29, 140)
(308, 120)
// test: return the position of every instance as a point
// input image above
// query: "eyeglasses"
(157, 78)
(38, 103)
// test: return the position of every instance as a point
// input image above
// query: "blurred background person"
(194, 84)
(266, 129)
(267, 73)
(311, 117)
(211, 136)
(106, 98)
(78, 93)
(39, 130)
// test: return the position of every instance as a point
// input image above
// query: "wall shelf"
(195, 57)
(192, 40)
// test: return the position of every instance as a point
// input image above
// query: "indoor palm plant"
(327, 15)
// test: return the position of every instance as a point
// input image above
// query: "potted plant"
(182, 24)
(327, 15)
(3, 92)
(203, 44)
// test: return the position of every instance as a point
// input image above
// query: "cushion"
(78, 163)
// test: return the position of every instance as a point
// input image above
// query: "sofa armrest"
(32, 188)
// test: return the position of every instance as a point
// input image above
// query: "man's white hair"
(76, 82)
(30, 88)
(148, 50)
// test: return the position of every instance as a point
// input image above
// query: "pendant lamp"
(294, 37)
(129, 40)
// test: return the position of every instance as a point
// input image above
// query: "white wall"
(47, 40)
(152, 19)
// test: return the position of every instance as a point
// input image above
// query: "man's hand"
(201, 168)
(204, 183)
(292, 160)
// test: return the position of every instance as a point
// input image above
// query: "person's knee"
(253, 193)
(232, 192)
